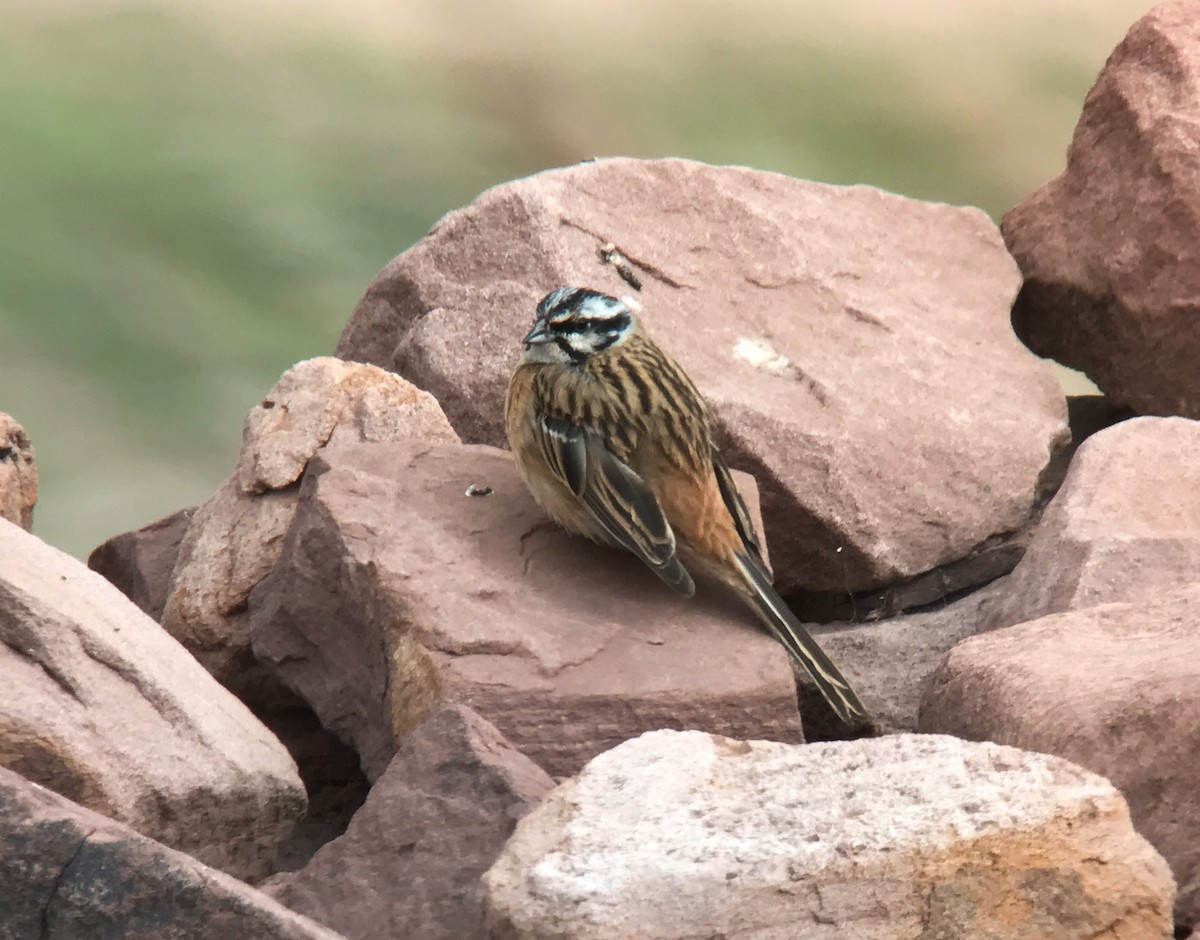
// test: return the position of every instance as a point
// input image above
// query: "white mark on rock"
(762, 355)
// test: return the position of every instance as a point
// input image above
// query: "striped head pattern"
(573, 323)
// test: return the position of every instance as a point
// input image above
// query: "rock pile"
(368, 677)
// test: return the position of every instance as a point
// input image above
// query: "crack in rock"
(44, 932)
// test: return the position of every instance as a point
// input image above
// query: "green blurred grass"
(185, 216)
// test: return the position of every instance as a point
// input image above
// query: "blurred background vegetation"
(193, 195)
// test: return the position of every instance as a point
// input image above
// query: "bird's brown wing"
(619, 500)
(736, 505)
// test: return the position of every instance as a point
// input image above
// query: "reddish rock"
(1115, 688)
(855, 345)
(1088, 414)
(398, 588)
(68, 873)
(235, 538)
(1125, 524)
(18, 474)
(1108, 249)
(410, 862)
(139, 563)
(99, 704)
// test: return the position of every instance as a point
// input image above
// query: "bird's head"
(573, 323)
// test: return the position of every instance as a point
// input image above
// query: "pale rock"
(232, 542)
(102, 706)
(326, 399)
(684, 835)
(235, 537)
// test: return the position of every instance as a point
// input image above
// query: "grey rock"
(67, 873)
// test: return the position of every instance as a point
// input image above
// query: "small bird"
(615, 443)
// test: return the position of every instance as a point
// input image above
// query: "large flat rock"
(415, 573)
(855, 345)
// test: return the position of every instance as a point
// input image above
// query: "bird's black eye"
(570, 326)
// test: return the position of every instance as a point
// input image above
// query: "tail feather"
(784, 625)
(675, 576)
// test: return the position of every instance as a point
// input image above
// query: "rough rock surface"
(1114, 687)
(67, 873)
(18, 474)
(231, 544)
(1087, 414)
(1126, 523)
(139, 563)
(326, 400)
(102, 706)
(855, 345)
(681, 835)
(235, 538)
(1108, 248)
(397, 588)
(410, 862)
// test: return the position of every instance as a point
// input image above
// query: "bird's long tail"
(785, 627)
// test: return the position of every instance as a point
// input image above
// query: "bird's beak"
(537, 335)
